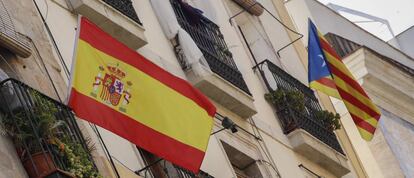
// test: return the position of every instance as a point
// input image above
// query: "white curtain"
(191, 52)
(166, 17)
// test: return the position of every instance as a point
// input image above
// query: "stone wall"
(30, 70)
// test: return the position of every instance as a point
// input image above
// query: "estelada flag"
(117, 89)
(328, 74)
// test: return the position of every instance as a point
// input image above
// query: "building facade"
(403, 40)
(386, 74)
(234, 53)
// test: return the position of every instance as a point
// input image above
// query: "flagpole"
(98, 134)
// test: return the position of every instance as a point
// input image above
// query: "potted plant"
(37, 135)
(76, 158)
(31, 133)
(293, 99)
(284, 99)
(329, 119)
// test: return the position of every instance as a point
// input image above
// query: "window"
(243, 165)
(159, 168)
(308, 173)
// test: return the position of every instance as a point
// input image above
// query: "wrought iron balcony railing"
(125, 7)
(290, 118)
(183, 173)
(206, 34)
(160, 168)
(165, 169)
(44, 131)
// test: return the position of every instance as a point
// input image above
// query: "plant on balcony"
(329, 119)
(30, 136)
(292, 99)
(77, 158)
(296, 101)
(35, 130)
(25, 131)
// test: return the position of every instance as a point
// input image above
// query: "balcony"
(226, 84)
(125, 7)
(116, 17)
(45, 134)
(171, 171)
(159, 168)
(305, 131)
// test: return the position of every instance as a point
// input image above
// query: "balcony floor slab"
(221, 91)
(315, 150)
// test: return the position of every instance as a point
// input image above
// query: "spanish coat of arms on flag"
(117, 89)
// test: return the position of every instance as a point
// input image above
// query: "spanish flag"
(328, 74)
(117, 89)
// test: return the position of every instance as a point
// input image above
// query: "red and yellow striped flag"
(118, 89)
(325, 64)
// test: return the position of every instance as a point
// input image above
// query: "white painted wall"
(244, 62)
(215, 162)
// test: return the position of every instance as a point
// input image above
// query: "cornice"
(390, 87)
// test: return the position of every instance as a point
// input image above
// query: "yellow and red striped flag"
(329, 74)
(118, 89)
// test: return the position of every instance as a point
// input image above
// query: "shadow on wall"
(397, 130)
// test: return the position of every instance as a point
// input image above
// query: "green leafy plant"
(329, 119)
(26, 131)
(293, 99)
(296, 101)
(44, 125)
(77, 159)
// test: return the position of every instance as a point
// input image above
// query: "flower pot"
(42, 162)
